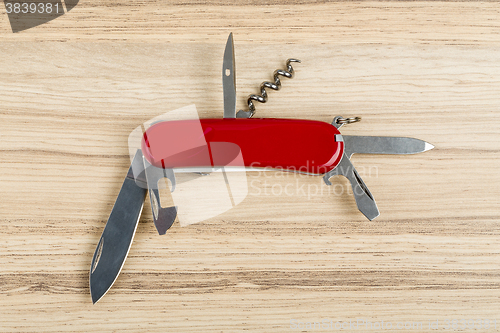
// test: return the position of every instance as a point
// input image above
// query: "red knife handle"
(305, 146)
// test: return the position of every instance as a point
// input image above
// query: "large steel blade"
(113, 247)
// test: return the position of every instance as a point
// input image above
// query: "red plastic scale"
(305, 146)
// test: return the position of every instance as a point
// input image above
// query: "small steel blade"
(384, 145)
(229, 79)
(116, 239)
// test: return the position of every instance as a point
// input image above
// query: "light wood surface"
(74, 88)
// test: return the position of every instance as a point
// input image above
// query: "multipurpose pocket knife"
(306, 146)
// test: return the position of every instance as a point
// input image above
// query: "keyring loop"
(349, 120)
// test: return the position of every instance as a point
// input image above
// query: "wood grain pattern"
(73, 89)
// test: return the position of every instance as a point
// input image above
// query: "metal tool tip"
(97, 288)
(428, 146)
(371, 211)
(96, 296)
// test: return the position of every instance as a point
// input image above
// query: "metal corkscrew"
(276, 85)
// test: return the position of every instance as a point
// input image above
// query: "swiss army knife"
(306, 146)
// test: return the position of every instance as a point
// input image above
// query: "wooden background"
(73, 89)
